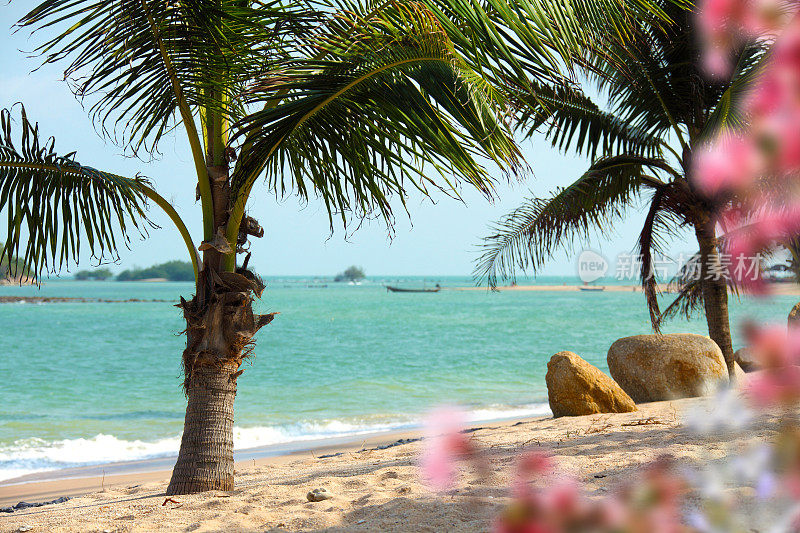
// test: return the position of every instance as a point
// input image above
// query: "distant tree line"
(353, 273)
(99, 274)
(171, 270)
(11, 266)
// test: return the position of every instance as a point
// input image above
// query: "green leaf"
(139, 61)
(573, 122)
(532, 233)
(53, 202)
(389, 106)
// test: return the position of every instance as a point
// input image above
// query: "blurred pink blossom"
(777, 351)
(726, 24)
(446, 445)
(732, 162)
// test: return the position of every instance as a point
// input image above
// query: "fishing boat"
(400, 289)
(591, 288)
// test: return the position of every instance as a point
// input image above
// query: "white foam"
(505, 412)
(27, 456)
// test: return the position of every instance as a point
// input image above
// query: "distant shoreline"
(778, 289)
(64, 299)
(558, 288)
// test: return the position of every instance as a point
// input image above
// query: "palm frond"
(688, 284)
(141, 60)
(392, 107)
(690, 293)
(687, 281)
(727, 115)
(531, 234)
(671, 207)
(53, 202)
(573, 122)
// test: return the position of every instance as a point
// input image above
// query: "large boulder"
(575, 388)
(666, 367)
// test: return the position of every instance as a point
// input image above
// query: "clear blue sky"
(439, 238)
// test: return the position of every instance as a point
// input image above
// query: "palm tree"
(351, 107)
(661, 108)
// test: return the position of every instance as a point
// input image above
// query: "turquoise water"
(87, 383)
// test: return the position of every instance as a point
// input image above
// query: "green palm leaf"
(574, 122)
(727, 116)
(668, 213)
(53, 202)
(146, 62)
(532, 233)
(394, 105)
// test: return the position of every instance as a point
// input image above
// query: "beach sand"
(378, 490)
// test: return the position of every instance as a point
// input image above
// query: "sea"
(99, 383)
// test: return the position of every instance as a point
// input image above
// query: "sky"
(440, 237)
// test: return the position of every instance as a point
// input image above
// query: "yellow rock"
(575, 388)
(652, 368)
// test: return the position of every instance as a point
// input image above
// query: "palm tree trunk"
(219, 338)
(715, 293)
(205, 461)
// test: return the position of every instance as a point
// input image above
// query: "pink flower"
(563, 498)
(778, 353)
(535, 464)
(729, 163)
(446, 444)
(531, 465)
(716, 62)
(726, 24)
(779, 138)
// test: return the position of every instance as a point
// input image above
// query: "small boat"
(592, 288)
(399, 289)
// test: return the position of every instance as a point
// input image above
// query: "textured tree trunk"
(220, 326)
(715, 293)
(219, 337)
(205, 461)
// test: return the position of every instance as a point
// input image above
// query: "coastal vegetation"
(352, 273)
(97, 274)
(171, 270)
(12, 267)
(661, 109)
(335, 104)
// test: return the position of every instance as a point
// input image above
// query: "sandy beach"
(373, 489)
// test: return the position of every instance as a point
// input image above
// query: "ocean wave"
(28, 456)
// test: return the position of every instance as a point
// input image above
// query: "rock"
(744, 357)
(651, 368)
(575, 388)
(794, 315)
(318, 495)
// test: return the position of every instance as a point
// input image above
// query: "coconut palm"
(661, 107)
(353, 108)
